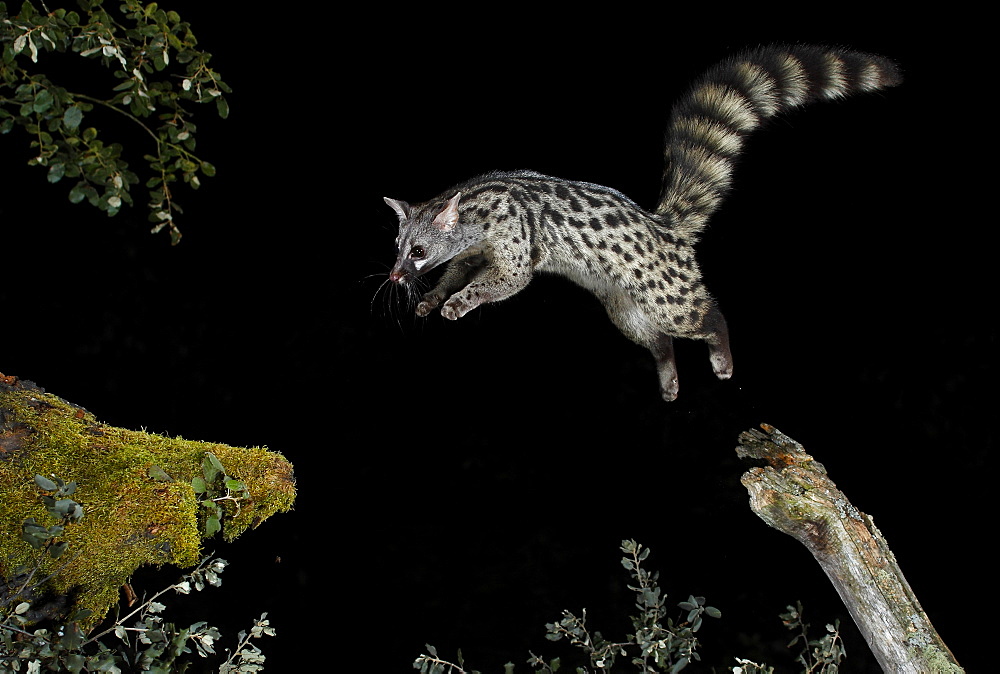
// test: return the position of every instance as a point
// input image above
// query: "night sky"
(461, 483)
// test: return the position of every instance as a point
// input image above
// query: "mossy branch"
(138, 490)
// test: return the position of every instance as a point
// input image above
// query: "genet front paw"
(456, 307)
(428, 304)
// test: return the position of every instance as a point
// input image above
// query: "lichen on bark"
(135, 487)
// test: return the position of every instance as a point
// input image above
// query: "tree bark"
(794, 495)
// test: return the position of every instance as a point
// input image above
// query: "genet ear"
(401, 207)
(447, 219)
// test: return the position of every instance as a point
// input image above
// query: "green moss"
(939, 662)
(130, 519)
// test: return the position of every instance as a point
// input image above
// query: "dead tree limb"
(794, 495)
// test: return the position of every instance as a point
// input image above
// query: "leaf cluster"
(659, 643)
(43, 539)
(431, 664)
(65, 510)
(153, 56)
(215, 488)
(817, 655)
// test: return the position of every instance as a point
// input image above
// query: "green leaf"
(72, 117)
(34, 538)
(43, 101)
(159, 474)
(80, 614)
(222, 107)
(68, 509)
(45, 483)
(199, 486)
(211, 467)
(30, 523)
(74, 662)
(212, 526)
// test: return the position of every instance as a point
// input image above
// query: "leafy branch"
(152, 54)
(658, 644)
(818, 655)
(822, 655)
(432, 664)
(662, 643)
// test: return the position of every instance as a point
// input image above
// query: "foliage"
(156, 72)
(214, 487)
(64, 509)
(659, 644)
(818, 655)
(149, 644)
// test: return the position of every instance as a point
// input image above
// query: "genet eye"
(417, 253)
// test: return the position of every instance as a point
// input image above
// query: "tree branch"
(794, 495)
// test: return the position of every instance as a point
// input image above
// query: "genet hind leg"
(663, 351)
(717, 335)
(636, 325)
(641, 329)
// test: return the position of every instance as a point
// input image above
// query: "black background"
(462, 483)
